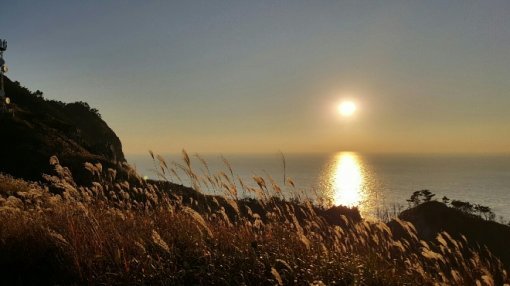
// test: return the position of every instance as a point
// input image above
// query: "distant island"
(72, 211)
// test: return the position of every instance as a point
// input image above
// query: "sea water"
(372, 182)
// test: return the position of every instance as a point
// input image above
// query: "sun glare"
(347, 179)
(347, 108)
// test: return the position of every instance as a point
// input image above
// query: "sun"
(347, 108)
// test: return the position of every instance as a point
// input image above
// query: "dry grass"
(116, 232)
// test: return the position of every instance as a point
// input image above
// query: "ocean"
(372, 182)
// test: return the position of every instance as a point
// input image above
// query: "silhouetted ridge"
(40, 128)
(433, 217)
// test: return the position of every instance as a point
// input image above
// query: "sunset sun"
(347, 108)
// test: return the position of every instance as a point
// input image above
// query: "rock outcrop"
(36, 129)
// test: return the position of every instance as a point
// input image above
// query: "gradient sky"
(262, 76)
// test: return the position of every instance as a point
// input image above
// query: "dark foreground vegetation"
(120, 232)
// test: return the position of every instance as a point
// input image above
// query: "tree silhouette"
(419, 197)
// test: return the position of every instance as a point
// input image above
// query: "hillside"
(432, 218)
(40, 128)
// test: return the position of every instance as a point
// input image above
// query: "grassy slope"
(116, 233)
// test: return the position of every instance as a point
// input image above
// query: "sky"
(262, 76)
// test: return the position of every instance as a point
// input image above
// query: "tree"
(419, 197)
(427, 195)
(96, 112)
(466, 207)
(485, 212)
(414, 199)
(38, 94)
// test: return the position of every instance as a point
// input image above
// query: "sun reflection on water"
(347, 180)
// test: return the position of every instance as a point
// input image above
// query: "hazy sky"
(262, 76)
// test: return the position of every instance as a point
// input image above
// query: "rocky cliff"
(36, 129)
